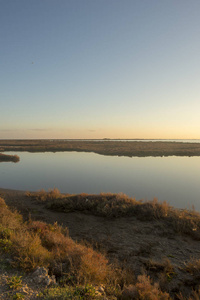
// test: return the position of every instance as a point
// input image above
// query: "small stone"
(40, 276)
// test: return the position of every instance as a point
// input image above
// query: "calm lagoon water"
(174, 179)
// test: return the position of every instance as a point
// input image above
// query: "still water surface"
(174, 179)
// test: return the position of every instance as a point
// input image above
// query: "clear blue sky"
(99, 68)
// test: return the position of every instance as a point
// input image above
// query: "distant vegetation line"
(117, 148)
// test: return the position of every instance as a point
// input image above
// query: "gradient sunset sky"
(99, 69)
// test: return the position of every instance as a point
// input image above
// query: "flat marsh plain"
(104, 147)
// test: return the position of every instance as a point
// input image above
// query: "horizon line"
(103, 139)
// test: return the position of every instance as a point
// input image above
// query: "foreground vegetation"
(80, 271)
(85, 272)
(13, 158)
(120, 205)
(105, 147)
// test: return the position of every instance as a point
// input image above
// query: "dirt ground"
(140, 245)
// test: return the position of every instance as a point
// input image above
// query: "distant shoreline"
(105, 147)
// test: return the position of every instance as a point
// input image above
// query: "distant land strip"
(13, 158)
(117, 148)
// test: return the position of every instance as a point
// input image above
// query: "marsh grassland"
(120, 148)
(106, 246)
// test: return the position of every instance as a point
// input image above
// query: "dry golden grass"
(42, 195)
(144, 289)
(148, 291)
(39, 244)
(83, 262)
(187, 222)
(193, 266)
(28, 250)
(9, 219)
(195, 295)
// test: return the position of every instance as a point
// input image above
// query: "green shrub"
(14, 282)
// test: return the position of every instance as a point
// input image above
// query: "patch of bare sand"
(140, 245)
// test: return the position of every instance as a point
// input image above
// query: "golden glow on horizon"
(117, 133)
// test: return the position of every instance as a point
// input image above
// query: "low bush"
(82, 262)
(71, 293)
(148, 291)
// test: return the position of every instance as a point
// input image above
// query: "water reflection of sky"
(175, 179)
